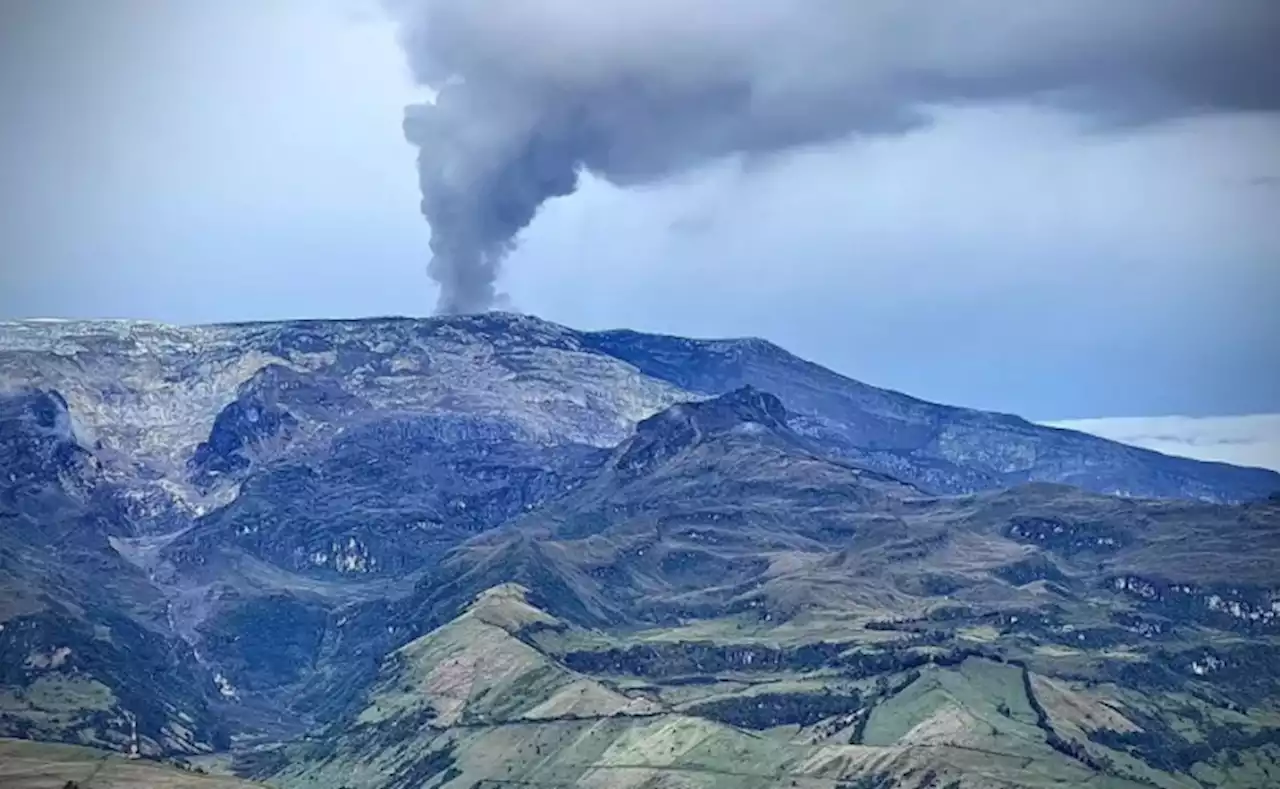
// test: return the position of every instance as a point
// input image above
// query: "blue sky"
(197, 162)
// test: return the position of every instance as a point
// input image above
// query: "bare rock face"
(38, 446)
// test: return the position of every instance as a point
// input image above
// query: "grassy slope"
(471, 704)
(31, 765)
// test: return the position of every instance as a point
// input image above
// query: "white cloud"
(1241, 440)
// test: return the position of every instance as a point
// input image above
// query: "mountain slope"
(28, 765)
(149, 397)
(719, 568)
(698, 507)
(718, 506)
(475, 704)
(945, 449)
(85, 648)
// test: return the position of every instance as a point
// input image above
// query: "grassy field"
(30, 765)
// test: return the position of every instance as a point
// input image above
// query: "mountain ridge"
(945, 449)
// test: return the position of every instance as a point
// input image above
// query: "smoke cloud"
(531, 93)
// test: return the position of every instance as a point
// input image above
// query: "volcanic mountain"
(472, 551)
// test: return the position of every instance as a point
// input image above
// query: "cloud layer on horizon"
(1252, 440)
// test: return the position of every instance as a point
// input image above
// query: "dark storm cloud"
(532, 92)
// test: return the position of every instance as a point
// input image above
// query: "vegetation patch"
(1162, 746)
(1068, 538)
(766, 710)
(1029, 570)
(266, 642)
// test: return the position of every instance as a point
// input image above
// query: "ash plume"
(531, 93)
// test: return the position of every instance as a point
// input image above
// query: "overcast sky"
(201, 161)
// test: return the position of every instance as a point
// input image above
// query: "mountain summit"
(744, 405)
